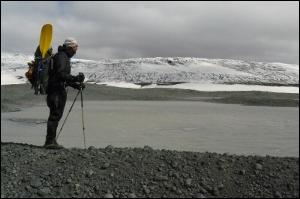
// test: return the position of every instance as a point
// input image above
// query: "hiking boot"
(52, 144)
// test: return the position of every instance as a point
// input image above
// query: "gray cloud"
(257, 31)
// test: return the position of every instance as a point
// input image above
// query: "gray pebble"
(148, 148)
(44, 192)
(69, 181)
(176, 175)
(109, 148)
(188, 182)
(258, 166)
(91, 148)
(161, 178)
(174, 188)
(202, 190)
(90, 173)
(131, 195)
(278, 195)
(108, 195)
(146, 189)
(199, 195)
(242, 172)
(35, 183)
(221, 186)
(215, 191)
(77, 186)
(174, 164)
(105, 165)
(28, 188)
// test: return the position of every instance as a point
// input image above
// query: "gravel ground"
(31, 171)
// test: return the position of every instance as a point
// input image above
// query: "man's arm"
(76, 85)
(62, 72)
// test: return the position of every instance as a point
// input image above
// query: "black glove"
(79, 78)
(78, 86)
(82, 85)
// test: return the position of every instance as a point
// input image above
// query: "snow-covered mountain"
(162, 70)
(168, 70)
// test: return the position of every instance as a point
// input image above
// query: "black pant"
(56, 101)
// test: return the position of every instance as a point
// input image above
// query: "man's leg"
(56, 102)
(60, 110)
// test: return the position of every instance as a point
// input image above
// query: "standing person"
(56, 91)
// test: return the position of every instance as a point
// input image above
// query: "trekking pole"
(82, 116)
(67, 115)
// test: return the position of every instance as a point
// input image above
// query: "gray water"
(178, 125)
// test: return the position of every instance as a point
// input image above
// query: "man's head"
(71, 46)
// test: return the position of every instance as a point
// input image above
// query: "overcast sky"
(254, 31)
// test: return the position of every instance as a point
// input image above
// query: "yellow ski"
(45, 39)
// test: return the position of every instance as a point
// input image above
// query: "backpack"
(39, 72)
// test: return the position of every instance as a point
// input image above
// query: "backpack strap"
(51, 64)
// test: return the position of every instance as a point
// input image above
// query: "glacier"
(166, 72)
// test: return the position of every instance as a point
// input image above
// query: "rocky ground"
(31, 171)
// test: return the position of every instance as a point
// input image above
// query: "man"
(59, 79)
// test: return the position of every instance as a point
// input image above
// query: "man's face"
(74, 48)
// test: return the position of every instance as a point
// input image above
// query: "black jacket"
(61, 76)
